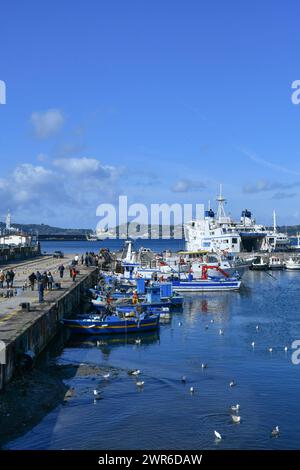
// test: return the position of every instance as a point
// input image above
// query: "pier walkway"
(23, 330)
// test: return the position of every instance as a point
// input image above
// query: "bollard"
(25, 306)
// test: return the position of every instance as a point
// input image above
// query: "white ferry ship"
(220, 233)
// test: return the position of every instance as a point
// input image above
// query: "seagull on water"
(253, 344)
(211, 321)
(138, 341)
(232, 383)
(257, 327)
(235, 407)
(285, 348)
(179, 323)
(270, 349)
(221, 332)
(140, 383)
(218, 435)
(106, 376)
(275, 431)
(204, 366)
(183, 379)
(235, 418)
(134, 372)
(192, 390)
(97, 394)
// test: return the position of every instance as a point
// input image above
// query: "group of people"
(7, 278)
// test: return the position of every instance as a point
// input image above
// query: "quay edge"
(40, 326)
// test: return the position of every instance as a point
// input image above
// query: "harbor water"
(163, 413)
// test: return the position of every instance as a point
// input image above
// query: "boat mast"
(221, 202)
(274, 222)
(8, 221)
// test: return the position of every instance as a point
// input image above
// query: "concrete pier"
(22, 331)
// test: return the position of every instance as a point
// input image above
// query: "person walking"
(44, 279)
(32, 278)
(61, 270)
(41, 288)
(50, 281)
(74, 273)
(8, 279)
(82, 260)
(2, 279)
(12, 276)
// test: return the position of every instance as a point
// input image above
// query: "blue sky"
(159, 100)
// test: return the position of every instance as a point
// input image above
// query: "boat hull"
(89, 327)
(206, 285)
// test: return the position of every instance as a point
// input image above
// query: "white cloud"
(84, 166)
(263, 185)
(47, 123)
(186, 185)
(68, 193)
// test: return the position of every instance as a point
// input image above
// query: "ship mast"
(8, 221)
(274, 222)
(221, 203)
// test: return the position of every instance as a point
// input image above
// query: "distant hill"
(43, 229)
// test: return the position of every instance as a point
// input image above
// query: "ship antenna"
(221, 202)
(274, 222)
(8, 220)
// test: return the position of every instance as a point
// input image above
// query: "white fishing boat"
(259, 264)
(275, 262)
(293, 263)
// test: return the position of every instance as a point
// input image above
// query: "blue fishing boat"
(207, 283)
(113, 324)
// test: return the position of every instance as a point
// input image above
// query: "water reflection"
(109, 342)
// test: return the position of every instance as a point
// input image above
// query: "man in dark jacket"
(32, 278)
